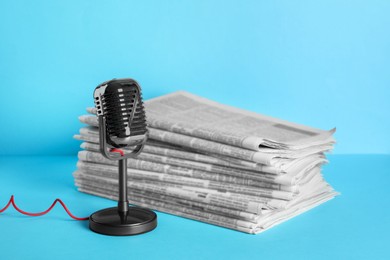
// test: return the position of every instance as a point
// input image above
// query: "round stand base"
(110, 222)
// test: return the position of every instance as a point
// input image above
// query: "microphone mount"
(122, 220)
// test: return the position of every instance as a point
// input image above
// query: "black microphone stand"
(123, 203)
(121, 220)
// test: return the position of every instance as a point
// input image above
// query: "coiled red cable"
(12, 202)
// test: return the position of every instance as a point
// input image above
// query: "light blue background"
(321, 63)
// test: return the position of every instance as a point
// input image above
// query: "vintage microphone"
(122, 124)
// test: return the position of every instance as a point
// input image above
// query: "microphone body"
(122, 124)
(120, 103)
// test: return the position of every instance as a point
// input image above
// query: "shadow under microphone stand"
(121, 220)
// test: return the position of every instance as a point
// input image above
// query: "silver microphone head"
(119, 101)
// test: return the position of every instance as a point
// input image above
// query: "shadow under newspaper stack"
(214, 163)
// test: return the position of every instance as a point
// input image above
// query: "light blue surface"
(355, 225)
(320, 63)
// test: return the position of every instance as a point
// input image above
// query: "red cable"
(115, 150)
(12, 201)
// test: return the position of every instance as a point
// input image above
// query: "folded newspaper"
(214, 163)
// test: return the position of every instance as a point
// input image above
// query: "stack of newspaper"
(214, 163)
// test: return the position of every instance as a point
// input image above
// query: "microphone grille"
(120, 102)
